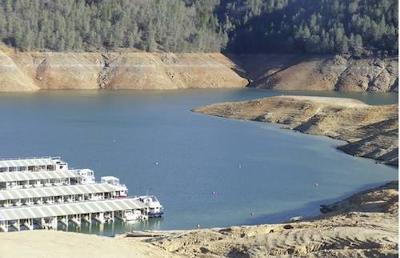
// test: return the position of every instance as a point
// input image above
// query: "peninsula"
(370, 131)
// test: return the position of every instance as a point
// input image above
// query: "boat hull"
(155, 214)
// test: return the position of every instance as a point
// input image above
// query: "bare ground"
(363, 225)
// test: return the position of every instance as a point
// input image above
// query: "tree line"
(150, 25)
(357, 27)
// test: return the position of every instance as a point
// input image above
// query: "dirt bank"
(371, 131)
(364, 225)
(125, 69)
(305, 72)
(30, 71)
(48, 244)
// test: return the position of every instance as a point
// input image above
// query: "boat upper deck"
(15, 194)
(40, 175)
(65, 209)
(32, 164)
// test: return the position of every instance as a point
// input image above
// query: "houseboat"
(37, 193)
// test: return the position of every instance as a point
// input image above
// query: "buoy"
(156, 163)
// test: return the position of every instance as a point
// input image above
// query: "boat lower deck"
(48, 216)
(60, 194)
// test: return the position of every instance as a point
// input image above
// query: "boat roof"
(65, 209)
(109, 178)
(25, 176)
(29, 162)
(14, 194)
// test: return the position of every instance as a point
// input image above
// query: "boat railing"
(44, 157)
(44, 204)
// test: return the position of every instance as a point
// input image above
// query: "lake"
(205, 170)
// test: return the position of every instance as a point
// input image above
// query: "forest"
(356, 27)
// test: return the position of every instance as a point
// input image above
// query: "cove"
(206, 171)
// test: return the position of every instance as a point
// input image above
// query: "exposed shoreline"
(33, 71)
(319, 72)
(370, 131)
(125, 69)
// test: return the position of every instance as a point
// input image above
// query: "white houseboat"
(40, 193)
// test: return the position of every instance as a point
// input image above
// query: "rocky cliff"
(371, 131)
(305, 72)
(30, 71)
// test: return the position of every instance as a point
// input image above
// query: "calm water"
(252, 167)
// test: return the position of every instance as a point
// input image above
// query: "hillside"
(30, 71)
(371, 131)
(358, 27)
(319, 72)
(276, 44)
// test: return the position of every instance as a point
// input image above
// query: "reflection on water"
(112, 229)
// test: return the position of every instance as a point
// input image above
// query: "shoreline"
(366, 219)
(30, 71)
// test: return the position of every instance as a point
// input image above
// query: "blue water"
(258, 172)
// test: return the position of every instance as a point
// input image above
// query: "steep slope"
(171, 71)
(30, 71)
(11, 76)
(305, 72)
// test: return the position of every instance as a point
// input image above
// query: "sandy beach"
(49, 244)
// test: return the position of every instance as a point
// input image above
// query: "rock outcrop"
(30, 71)
(371, 131)
(340, 73)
